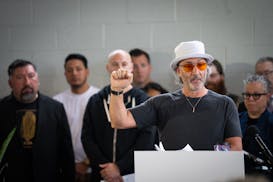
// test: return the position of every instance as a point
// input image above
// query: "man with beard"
(216, 81)
(41, 148)
(184, 116)
(216, 78)
(75, 100)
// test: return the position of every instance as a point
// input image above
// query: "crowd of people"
(87, 134)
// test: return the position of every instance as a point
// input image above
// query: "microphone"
(255, 159)
(254, 131)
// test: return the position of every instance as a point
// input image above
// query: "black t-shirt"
(26, 118)
(215, 118)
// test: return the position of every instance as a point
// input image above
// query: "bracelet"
(116, 92)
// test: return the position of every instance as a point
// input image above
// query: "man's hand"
(110, 172)
(81, 168)
(120, 79)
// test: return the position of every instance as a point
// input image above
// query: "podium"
(181, 166)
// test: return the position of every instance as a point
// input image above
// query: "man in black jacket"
(111, 151)
(41, 148)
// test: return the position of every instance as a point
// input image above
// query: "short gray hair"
(258, 78)
(264, 59)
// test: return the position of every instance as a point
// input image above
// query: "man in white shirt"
(74, 101)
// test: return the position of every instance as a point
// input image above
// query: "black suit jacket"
(52, 152)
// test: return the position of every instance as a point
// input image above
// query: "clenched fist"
(120, 79)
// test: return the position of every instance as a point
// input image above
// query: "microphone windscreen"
(252, 130)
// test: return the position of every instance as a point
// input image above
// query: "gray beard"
(29, 97)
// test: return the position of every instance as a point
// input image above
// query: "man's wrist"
(116, 92)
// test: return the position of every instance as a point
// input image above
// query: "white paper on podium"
(160, 147)
(196, 166)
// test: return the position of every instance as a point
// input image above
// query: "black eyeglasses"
(255, 96)
(267, 73)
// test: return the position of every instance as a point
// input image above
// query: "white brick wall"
(127, 35)
(235, 32)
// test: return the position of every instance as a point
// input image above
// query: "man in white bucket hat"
(191, 49)
(191, 115)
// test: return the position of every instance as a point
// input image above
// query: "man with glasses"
(191, 115)
(264, 66)
(256, 96)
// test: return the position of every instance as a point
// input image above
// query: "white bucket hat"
(191, 49)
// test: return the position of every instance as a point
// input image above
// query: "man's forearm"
(117, 111)
(120, 117)
(235, 143)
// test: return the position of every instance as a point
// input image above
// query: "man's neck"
(80, 90)
(255, 115)
(194, 93)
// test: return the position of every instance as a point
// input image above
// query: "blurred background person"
(216, 78)
(263, 66)
(256, 96)
(216, 81)
(112, 150)
(153, 89)
(41, 147)
(142, 69)
(75, 100)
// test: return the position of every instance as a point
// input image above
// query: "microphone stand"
(266, 152)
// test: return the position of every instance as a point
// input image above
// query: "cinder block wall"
(45, 31)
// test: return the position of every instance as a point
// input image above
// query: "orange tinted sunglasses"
(188, 67)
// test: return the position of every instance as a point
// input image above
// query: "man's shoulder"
(172, 96)
(269, 115)
(5, 102)
(215, 95)
(99, 95)
(44, 99)
(62, 95)
(93, 89)
(137, 91)
(6, 98)
(167, 100)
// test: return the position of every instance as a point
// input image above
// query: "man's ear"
(177, 71)
(268, 96)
